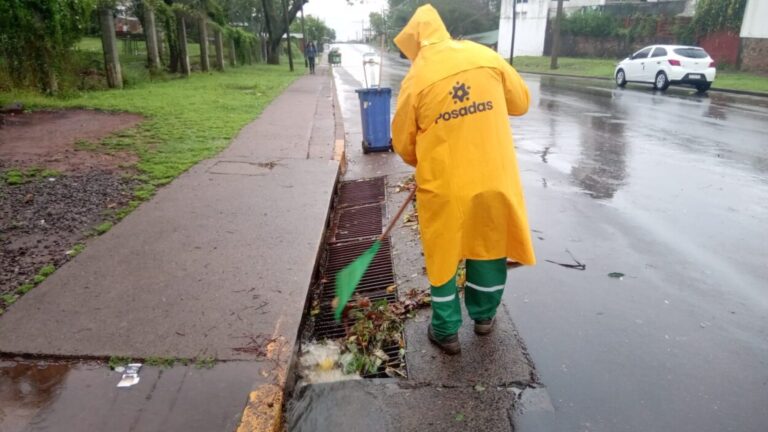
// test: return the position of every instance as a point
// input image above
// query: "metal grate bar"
(360, 192)
(359, 222)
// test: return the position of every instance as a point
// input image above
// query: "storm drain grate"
(373, 285)
(361, 192)
(359, 220)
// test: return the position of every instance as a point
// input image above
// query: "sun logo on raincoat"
(460, 92)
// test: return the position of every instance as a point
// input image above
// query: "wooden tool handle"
(394, 220)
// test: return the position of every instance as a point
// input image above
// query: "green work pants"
(482, 295)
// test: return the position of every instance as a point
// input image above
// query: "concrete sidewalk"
(217, 264)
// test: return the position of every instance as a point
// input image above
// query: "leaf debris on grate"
(359, 220)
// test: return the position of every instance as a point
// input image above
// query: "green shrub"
(38, 39)
(590, 22)
(716, 15)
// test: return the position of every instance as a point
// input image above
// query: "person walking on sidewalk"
(311, 53)
(452, 125)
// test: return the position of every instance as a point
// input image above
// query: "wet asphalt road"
(669, 189)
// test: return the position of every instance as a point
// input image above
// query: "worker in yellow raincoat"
(452, 124)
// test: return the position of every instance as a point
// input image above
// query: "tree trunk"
(257, 50)
(273, 57)
(304, 39)
(150, 34)
(51, 82)
(183, 54)
(160, 45)
(205, 64)
(288, 34)
(232, 53)
(109, 44)
(556, 36)
(219, 45)
(173, 44)
(276, 30)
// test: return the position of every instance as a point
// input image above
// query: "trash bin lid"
(374, 90)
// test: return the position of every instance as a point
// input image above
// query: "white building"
(531, 21)
(754, 24)
(754, 37)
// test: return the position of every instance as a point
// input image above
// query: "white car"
(662, 65)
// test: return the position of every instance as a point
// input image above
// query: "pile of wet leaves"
(45, 216)
(373, 326)
(408, 184)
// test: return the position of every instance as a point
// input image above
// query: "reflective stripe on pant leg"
(485, 286)
(446, 309)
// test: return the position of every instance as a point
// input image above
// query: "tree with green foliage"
(277, 22)
(715, 15)
(317, 30)
(461, 17)
(590, 22)
(38, 37)
(378, 23)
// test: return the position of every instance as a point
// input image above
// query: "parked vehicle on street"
(665, 65)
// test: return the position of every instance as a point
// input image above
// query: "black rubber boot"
(449, 345)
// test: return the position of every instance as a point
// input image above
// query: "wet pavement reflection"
(669, 189)
(26, 388)
(79, 396)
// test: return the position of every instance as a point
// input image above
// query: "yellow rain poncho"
(452, 125)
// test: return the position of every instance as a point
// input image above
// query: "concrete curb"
(717, 89)
(339, 146)
(263, 411)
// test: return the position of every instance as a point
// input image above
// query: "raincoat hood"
(425, 28)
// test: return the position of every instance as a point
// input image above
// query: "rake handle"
(394, 220)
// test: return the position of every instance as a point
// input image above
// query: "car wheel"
(701, 88)
(661, 82)
(621, 78)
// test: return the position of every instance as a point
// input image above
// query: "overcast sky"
(340, 16)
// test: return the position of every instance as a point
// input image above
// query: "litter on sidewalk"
(130, 375)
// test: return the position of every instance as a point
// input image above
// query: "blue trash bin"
(374, 109)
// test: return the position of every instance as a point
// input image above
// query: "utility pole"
(556, 36)
(514, 29)
(288, 35)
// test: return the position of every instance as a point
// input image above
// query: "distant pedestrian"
(452, 125)
(311, 53)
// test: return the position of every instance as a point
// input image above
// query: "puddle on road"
(26, 388)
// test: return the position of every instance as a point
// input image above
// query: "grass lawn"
(591, 67)
(188, 120)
